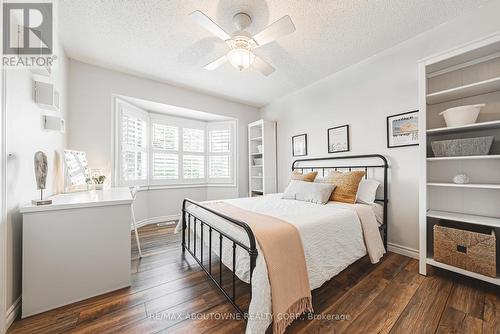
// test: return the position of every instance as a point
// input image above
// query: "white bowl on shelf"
(463, 115)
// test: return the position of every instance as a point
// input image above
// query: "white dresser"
(76, 248)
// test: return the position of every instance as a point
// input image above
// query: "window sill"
(185, 186)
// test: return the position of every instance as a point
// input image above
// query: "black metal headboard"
(372, 162)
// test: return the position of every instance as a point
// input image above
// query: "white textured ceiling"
(157, 39)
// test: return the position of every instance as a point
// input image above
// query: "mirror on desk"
(76, 171)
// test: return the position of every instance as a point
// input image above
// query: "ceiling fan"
(241, 43)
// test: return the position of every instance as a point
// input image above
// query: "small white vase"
(460, 179)
(99, 186)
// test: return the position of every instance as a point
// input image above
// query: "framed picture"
(299, 145)
(338, 139)
(402, 129)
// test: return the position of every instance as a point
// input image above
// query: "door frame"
(3, 192)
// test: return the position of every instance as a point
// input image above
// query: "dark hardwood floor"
(390, 297)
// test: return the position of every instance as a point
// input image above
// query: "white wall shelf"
(461, 217)
(477, 88)
(471, 127)
(467, 185)
(468, 157)
(262, 173)
(494, 280)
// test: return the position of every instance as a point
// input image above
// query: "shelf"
(470, 127)
(477, 88)
(494, 280)
(470, 157)
(468, 185)
(255, 153)
(257, 166)
(256, 138)
(257, 191)
(461, 217)
(257, 177)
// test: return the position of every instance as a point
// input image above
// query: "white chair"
(133, 192)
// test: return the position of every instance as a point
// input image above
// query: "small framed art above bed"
(322, 236)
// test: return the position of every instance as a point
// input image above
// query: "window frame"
(143, 115)
(181, 123)
(231, 125)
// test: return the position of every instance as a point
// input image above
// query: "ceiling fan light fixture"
(241, 58)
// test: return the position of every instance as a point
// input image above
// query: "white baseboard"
(160, 219)
(13, 312)
(403, 250)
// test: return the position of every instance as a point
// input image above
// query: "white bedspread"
(331, 235)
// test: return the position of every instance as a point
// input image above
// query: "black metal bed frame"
(188, 217)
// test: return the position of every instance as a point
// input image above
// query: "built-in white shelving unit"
(262, 158)
(464, 76)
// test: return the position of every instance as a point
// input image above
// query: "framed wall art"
(299, 145)
(338, 139)
(402, 129)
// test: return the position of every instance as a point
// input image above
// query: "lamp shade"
(241, 58)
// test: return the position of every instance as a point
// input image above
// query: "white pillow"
(308, 191)
(367, 191)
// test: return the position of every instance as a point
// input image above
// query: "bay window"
(161, 150)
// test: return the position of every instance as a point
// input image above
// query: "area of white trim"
(13, 312)
(3, 192)
(160, 219)
(403, 250)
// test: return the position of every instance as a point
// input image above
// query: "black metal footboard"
(191, 247)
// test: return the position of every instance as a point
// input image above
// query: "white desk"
(76, 248)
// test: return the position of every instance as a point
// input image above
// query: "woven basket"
(472, 248)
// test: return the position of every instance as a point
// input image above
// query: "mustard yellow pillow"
(346, 185)
(309, 177)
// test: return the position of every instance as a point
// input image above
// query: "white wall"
(90, 123)
(25, 136)
(362, 96)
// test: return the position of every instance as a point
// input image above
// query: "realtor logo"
(28, 35)
(27, 28)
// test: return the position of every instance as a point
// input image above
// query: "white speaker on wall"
(45, 95)
(53, 123)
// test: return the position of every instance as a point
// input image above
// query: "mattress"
(331, 235)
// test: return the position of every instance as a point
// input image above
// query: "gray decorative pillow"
(308, 191)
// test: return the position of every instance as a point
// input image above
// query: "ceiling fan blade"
(209, 25)
(216, 63)
(281, 27)
(262, 66)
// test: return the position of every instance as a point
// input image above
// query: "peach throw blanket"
(286, 264)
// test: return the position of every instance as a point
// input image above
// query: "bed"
(328, 247)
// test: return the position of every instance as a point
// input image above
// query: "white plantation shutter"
(219, 166)
(220, 140)
(165, 137)
(133, 148)
(221, 152)
(165, 151)
(193, 166)
(193, 159)
(193, 140)
(165, 166)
